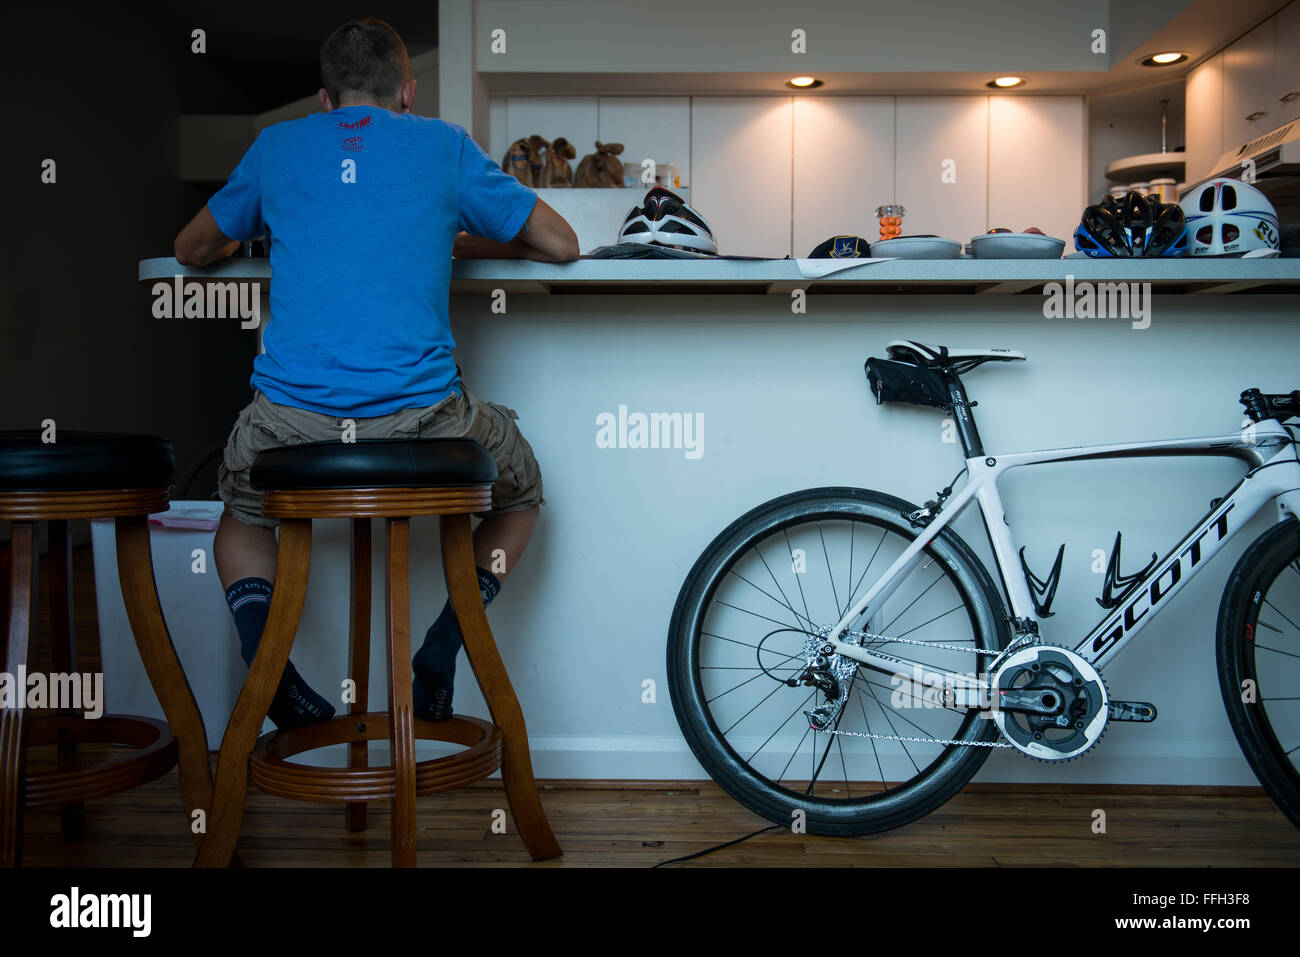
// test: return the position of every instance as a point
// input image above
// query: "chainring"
(1065, 677)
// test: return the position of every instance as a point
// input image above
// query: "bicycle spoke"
(789, 550)
(781, 601)
(751, 758)
(822, 535)
(1284, 617)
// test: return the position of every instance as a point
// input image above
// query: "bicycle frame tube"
(1275, 475)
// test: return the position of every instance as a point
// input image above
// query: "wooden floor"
(639, 824)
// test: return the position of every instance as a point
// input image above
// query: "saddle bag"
(906, 382)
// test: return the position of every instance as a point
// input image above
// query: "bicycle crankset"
(1070, 698)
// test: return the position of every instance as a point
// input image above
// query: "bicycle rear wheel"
(1259, 661)
(744, 617)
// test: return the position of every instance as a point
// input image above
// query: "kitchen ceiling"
(267, 51)
(1198, 28)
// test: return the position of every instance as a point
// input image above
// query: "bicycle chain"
(1023, 639)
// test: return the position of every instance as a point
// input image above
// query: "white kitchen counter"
(582, 621)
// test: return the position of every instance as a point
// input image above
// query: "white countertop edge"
(686, 272)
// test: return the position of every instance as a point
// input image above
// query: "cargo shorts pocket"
(259, 427)
(519, 478)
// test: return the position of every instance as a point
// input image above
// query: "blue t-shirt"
(362, 205)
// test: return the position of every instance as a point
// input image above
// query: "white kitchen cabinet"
(1036, 164)
(741, 169)
(843, 167)
(1204, 118)
(1286, 64)
(941, 163)
(1250, 107)
(649, 127)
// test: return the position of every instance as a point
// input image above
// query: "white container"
(194, 607)
(1165, 190)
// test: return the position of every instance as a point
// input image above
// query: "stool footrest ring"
(269, 771)
(156, 756)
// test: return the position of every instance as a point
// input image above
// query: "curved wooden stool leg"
(401, 709)
(293, 562)
(154, 641)
(485, 659)
(359, 653)
(21, 620)
(72, 817)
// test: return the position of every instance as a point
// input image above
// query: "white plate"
(917, 247)
(1016, 246)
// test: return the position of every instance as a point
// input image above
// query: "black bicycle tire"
(1239, 608)
(960, 764)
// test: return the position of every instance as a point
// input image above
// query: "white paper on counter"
(816, 268)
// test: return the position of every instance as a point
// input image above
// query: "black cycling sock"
(295, 704)
(434, 665)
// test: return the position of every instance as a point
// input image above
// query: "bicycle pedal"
(1142, 711)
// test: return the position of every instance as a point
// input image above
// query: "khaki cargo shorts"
(265, 425)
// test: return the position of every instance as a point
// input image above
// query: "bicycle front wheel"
(752, 603)
(1259, 661)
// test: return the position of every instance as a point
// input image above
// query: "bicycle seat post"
(972, 445)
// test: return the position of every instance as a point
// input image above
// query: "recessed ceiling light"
(1164, 59)
(803, 82)
(1006, 82)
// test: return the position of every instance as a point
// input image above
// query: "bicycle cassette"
(1071, 696)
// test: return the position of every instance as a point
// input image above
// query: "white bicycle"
(802, 684)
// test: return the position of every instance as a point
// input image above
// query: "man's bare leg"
(243, 551)
(509, 532)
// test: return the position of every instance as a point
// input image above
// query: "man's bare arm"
(201, 242)
(545, 237)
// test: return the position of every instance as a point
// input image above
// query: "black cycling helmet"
(664, 219)
(1136, 226)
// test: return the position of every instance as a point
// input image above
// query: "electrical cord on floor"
(718, 847)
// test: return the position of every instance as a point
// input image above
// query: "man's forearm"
(478, 247)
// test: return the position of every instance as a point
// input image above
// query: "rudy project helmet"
(1135, 226)
(1226, 217)
(664, 219)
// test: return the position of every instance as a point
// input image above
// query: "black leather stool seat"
(374, 463)
(83, 461)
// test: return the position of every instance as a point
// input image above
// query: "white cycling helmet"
(664, 219)
(1226, 217)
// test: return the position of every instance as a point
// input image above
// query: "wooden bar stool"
(89, 475)
(397, 480)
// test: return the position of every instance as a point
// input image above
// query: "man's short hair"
(363, 60)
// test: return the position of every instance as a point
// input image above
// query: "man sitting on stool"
(366, 204)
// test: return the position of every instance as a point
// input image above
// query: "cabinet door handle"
(1256, 115)
(1288, 97)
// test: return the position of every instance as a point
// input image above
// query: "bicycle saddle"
(909, 350)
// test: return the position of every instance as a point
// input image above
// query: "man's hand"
(546, 237)
(201, 242)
